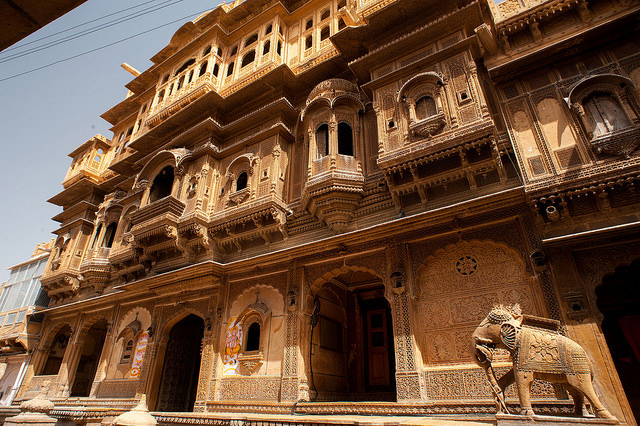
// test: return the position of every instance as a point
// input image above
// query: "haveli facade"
(310, 203)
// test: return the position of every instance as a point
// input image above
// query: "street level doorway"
(179, 380)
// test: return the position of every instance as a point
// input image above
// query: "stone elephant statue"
(538, 352)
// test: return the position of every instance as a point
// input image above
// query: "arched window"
(325, 15)
(216, 70)
(251, 39)
(190, 77)
(127, 352)
(56, 352)
(207, 50)
(253, 338)
(233, 51)
(325, 33)
(248, 58)
(160, 98)
(219, 52)
(95, 237)
(109, 235)
(180, 82)
(269, 29)
(425, 107)
(162, 184)
(606, 113)
(185, 66)
(309, 42)
(230, 69)
(322, 140)
(341, 24)
(241, 183)
(266, 47)
(309, 24)
(342, 3)
(203, 68)
(279, 48)
(165, 78)
(345, 139)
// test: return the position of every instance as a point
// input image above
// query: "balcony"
(155, 230)
(620, 143)
(95, 268)
(263, 219)
(182, 89)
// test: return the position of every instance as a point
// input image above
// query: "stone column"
(207, 361)
(409, 380)
(290, 387)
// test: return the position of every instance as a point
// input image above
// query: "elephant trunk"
(482, 351)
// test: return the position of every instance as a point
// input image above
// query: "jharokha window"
(241, 183)
(253, 338)
(605, 113)
(109, 235)
(345, 139)
(425, 107)
(322, 140)
(162, 184)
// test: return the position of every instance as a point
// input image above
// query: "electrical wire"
(89, 31)
(102, 47)
(74, 27)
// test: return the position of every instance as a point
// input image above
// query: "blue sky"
(46, 114)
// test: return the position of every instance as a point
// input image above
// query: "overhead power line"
(90, 30)
(102, 47)
(21, 45)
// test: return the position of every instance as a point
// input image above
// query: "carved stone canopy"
(331, 92)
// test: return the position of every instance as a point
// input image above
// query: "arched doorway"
(88, 364)
(56, 351)
(352, 354)
(179, 380)
(618, 299)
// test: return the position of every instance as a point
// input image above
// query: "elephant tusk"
(488, 354)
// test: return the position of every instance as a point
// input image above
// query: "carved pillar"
(409, 382)
(208, 357)
(69, 361)
(312, 151)
(290, 387)
(333, 140)
(382, 128)
(220, 331)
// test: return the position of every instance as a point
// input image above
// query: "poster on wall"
(138, 357)
(232, 347)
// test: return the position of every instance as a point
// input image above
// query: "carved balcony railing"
(620, 143)
(263, 219)
(181, 97)
(155, 230)
(95, 268)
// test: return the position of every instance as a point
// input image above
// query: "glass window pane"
(12, 277)
(21, 273)
(11, 318)
(40, 269)
(2, 317)
(11, 298)
(21, 315)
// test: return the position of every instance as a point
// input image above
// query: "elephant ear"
(508, 335)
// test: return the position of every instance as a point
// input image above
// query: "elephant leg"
(582, 382)
(578, 400)
(523, 383)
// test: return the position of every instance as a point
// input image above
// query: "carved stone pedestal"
(518, 420)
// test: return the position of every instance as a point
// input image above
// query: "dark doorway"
(353, 357)
(618, 299)
(179, 380)
(88, 364)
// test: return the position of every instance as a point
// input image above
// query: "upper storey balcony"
(190, 82)
(89, 161)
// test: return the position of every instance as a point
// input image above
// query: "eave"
(74, 210)
(74, 193)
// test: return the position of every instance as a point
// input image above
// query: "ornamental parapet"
(263, 219)
(95, 268)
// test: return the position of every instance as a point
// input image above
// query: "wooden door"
(378, 347)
